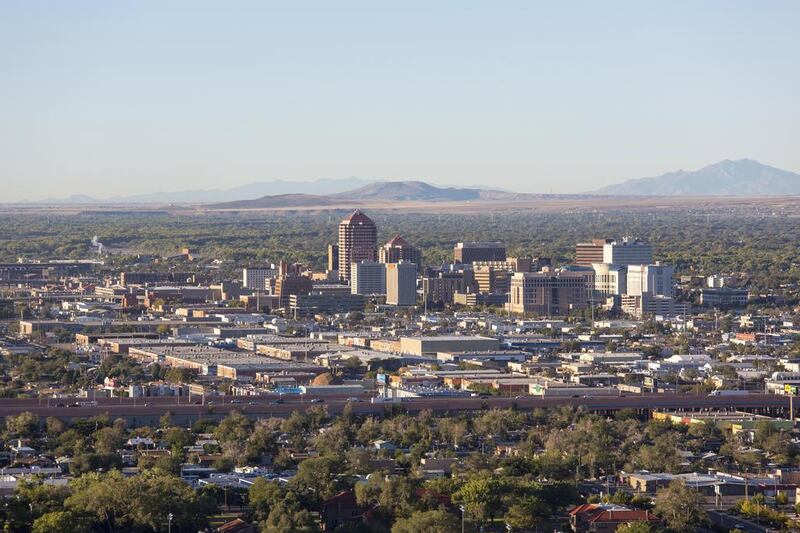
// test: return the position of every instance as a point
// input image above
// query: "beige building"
(551, 293)
(492, 279)
(358, 238)
(441, 287)
(401, 283)
(447, 343)
(588, 253)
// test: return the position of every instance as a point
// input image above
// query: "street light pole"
(463, 512)
(169, 523)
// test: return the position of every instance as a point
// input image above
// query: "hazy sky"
(111, 97)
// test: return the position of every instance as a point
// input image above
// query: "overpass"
(147, 411)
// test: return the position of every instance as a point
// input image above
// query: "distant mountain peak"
(410, 190)
(378, 191)
(739, 177)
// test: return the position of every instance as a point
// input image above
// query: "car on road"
(317, 400)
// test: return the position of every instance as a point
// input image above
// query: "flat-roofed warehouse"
(447, 343)
(210, 361)
(299, 351)
(124, 344)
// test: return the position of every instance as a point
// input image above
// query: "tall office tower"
(398, 249)
(589, 253)
(258, 278)
(401, 283)
(469, 252)
(368, 278)
(655, 280)
(627, 252)
(333, 257)
(551, 293)
(492, 278)
(358, 238)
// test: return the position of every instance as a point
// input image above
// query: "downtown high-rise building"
(358, 238)
(554, 293)
(401, 283)
(469, 252)
(589, 253)
(368, 278)
(333, 257)
(628, 252)
(398, 249)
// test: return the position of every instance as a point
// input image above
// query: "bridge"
(147, 411)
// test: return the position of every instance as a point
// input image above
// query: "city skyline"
(109, 100)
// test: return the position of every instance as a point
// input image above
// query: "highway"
(146, 411)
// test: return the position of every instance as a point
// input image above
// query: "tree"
(61, 521)
(640, 526)
(108, 440)
(427, 521)
(317, 476)
(41, 498)
(452, 430)
(176, 439)
(263, 496)
(526, 514)
(114, 502)
(24, 425)
(680, 506)
(481, 497)
(55, 426)
(288, 517)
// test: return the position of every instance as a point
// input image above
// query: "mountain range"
(242, 192)
(742, 177)
(390, 191)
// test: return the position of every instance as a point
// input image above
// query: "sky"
(114, 98)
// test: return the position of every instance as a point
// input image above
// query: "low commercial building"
(326, 303)
(723, 297)
(305, 351)
(265, 368)
(447, 343)
(489, 355)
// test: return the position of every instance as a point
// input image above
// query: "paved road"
(733, 522)
(258, 406)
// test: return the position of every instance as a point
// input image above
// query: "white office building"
(609, 280)
(655, 280)
(628, 252)
(257, 278)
